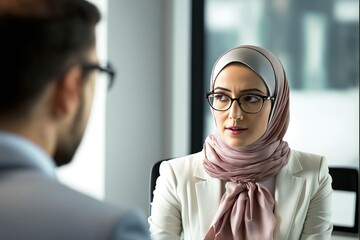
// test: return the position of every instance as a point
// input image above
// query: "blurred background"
(318, 43)
(163, 52)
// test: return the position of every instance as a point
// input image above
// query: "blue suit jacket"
(35, 205)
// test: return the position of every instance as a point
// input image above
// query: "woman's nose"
(235, 111)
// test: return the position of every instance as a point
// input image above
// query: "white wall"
(86, 172)
(146, 119)
(146, 113)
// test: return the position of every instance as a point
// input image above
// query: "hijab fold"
(246, 208)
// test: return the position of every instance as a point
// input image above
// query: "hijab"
(246, 208)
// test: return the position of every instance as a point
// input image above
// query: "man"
(48, 65)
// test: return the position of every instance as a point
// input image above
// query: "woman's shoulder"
(185, 168)
(305, 156)
(186, 162)
(305, 162)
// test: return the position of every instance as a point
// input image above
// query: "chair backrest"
(345, 181)
(154, 174)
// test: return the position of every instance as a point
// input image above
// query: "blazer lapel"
(208, 194)
(287, 194)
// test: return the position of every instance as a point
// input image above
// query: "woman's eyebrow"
(242, 91)
(253, 90)
(221, 88)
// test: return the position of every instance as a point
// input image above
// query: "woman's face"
(236, 127)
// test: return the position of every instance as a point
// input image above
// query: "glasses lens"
(251, 103)
(219, 101)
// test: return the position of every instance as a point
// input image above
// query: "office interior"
(163, 51)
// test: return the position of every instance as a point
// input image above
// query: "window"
(318, 43)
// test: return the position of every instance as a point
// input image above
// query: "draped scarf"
(246, 208)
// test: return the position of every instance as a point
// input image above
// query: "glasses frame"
(264, 98)
(108, 69)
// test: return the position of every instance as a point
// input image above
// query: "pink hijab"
(246, 208)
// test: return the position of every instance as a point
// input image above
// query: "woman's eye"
(221, 97)
(251, 99)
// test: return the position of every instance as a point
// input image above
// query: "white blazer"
(186, 199)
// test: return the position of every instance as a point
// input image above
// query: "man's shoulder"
(125, 223)
(44, 201)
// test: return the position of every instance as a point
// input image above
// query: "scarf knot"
(246, 208)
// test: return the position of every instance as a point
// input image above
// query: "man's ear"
(68, 91)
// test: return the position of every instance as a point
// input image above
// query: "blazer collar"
(199, 171)
(208, 194)
(288, 190)
(293, 165)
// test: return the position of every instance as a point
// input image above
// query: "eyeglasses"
(106, 69)
(249, 103)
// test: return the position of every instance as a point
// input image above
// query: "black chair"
(346, 179)
(154, 174)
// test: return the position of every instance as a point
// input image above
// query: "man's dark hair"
(39, 41)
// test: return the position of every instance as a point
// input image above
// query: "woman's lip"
(235, 129)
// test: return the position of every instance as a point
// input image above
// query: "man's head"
(44, 45)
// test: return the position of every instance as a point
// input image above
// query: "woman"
(246, 183)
